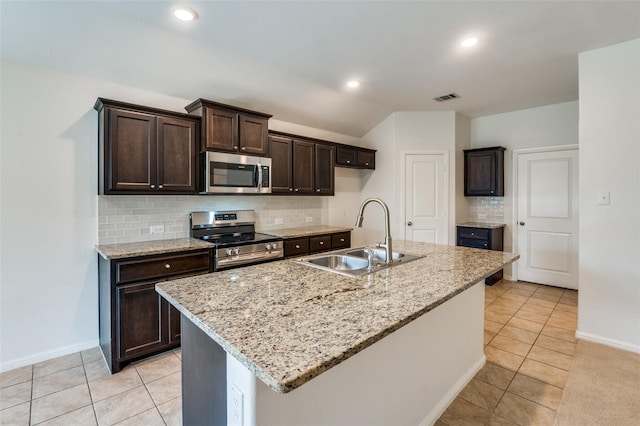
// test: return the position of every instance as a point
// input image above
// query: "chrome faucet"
(387, 238)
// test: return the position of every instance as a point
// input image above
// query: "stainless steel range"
(235, 238)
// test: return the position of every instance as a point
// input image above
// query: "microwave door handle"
(258, 171)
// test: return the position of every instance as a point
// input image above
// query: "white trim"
(44, 356)
(514, 200)
(448, 398)
(403, 188)
(608, 342)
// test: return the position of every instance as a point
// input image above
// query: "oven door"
(232, 174)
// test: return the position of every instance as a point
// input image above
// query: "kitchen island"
(392, 347)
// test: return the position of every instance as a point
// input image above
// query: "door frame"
(514, 201)
(403, 189)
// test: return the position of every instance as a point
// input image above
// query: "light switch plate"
(603, 198)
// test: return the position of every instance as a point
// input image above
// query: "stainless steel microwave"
(236, 174)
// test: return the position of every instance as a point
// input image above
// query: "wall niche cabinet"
(146, 150)
(135, 321)
(355, 157)
(300, 166)
(231, 129)
(484, 172)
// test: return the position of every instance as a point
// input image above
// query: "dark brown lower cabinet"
(135, 321)
(302, 246)
(483, 238)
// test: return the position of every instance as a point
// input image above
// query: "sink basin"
(379, 255)
(340, 262)
(354, 262)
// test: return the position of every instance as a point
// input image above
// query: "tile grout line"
(86, 379)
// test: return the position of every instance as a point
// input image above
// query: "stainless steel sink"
(355, 262)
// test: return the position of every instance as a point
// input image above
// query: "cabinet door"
(303, 167)
(324, 169)
(140, 315)
(281, 164)
(367, 159)
(177, 156)
(132, 146)
(174, 324)
(484, 172)
(220, 130)
(253, 134)
(346, 156)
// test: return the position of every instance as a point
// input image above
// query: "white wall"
(546, 126)
(408, 132)
(49, 221)
(609, 298)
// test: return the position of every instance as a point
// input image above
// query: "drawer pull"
(167, 266)
(297, 246)
(473, 233)
(485, 244)
(342, 240)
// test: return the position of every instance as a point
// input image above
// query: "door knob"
(409, 223)
(521, 223)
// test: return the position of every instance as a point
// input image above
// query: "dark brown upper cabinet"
(230, 129)
(146, 150)
(301, 166)
(356, 158)
(484, 172)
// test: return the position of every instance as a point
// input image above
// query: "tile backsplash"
(486, 209)
(129, 218)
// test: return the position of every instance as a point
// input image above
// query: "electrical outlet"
(482, 216)
(279, 221)
(308, 219)
(236, 406)
(158, 229)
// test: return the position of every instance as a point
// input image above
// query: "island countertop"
(288, 323)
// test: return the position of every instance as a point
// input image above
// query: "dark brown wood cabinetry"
(135, 321)
(301, 167)
(357, 158)
(302, 246)
(484, 172)
(145, 150)
(482, 238)
(231, 129)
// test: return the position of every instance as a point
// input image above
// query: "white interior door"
(425, 198)
(548, 218)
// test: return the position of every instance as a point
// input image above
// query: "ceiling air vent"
(446, 97)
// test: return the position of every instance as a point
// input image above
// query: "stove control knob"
(268, 246)
(229, 252)
(236, 250)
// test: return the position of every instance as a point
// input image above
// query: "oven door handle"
(248, 258)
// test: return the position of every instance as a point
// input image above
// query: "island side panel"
(407, 378)
(204, 378)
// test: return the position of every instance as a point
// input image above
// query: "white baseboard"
(507, 277)
(446, 400)
(608, 342)
(43, 356)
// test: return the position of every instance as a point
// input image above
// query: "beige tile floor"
(529, 344)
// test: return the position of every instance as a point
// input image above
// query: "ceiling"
(293, 58)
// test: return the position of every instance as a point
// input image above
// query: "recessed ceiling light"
(353, 84)
(184, 13)
(468, 42)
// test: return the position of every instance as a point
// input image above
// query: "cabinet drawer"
(473, 243)
(319, 243)
(296, 247)
(342, 240)
(477, 233)
(160, 267)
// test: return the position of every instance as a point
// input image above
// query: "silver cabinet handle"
(473, 233)
(244, 148)
(235, 147)
(348, 161)
(318, 190)
(321, 243)
(342, 240)
(521, 223)
(167, 266)
(297, 246)
(409, 223)
(160, 186)
(291, 189)
(153, 186)
(297, 189)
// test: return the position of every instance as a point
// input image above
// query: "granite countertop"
(288, 323)
(487, 225)
(143, 248)
(306, 231)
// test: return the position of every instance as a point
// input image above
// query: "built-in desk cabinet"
(490, 238)
(135, 321)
